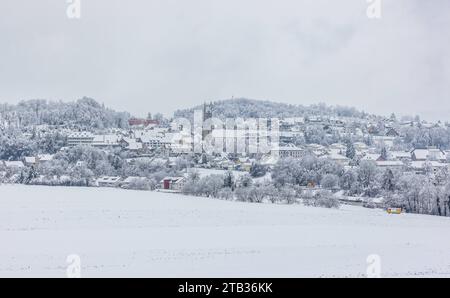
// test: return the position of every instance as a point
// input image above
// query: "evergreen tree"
(350, 152)
(388, 180)
(229, 180)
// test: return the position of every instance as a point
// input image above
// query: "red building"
(142, 122)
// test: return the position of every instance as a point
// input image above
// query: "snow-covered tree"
(350, 150)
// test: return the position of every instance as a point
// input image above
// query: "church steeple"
(207, 114)
(207, 111)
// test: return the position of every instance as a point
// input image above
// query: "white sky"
(160, 55)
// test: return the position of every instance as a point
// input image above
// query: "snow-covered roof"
(400, 154)
(30, 159)
(360, 145)
(206, 172)
(173, 179)
(436, 154)
(45, 157)
(269, 160)
(109, 139)
(371, 156)
(389, 163)
(14, 164)
(429, 154)
(421, 153)
(383, 138)
(337, 156)
(108, 179)
(80, 134)
(134, 178)
(420, 164)
(287, 148)
(338, 146)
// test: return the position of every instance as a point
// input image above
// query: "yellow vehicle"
(394, 210)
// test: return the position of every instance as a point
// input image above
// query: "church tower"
(207, 114)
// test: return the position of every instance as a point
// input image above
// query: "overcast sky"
(160, 55)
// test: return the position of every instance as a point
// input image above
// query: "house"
(287, 151)
(338, 158)
(421, 167)
(80, 138)
(15, 165)
(435, 154)
(316, 149)
(103, 141)
(372, 156)
(389, 164)
(108, 181)
(131, 144)
(431, 154)
(419, 154)
(126, 183)
(401, 155)
(43, 158)
(384, 141)
(154, 142)
(136, 122)
(360, 147)
(80, 163)
(173, 183)
(338, 147)
(226, 164)
(39, 159)
(244, 164)
(30, 160)
(392, 133)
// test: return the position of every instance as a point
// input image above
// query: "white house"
(400, 155)
(107, 181)
(80, 138)
(384, 141)
(16, 164)
(339, 158)
(287, 151)
(173, 183)
(30, 160)
(108, 140)
(420, 166)
(126, 183)
(391, 164)
(431, 154)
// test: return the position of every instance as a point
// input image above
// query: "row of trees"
(314, 182)
(80, 165)
(14, 145)
(311, 179)
(243, 189)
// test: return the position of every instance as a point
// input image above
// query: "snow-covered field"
(149, 234)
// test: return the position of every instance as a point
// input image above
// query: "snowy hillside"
(150, 234)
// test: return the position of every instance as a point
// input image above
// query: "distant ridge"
(249, 108)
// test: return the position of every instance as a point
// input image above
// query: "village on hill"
(325, 157)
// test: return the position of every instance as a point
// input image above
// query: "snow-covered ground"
(149, 234)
